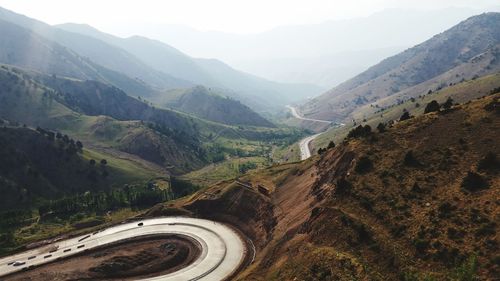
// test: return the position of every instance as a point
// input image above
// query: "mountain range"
(96, 130)
(325, 53)
(156, 65)
(467, 50)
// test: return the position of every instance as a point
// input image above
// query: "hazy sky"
(237, 16)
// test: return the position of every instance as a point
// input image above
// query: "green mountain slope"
(207, 104)
(39, 164)
(161, 136)
(106, 117)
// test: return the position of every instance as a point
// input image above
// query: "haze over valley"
(282, 140)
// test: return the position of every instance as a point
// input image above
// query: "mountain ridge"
(210, 105)
(254, 91)
(110, 57)
(440, 54)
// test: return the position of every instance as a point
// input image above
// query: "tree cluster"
(360, 131)
(135, 197)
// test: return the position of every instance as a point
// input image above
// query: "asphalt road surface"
(296, 115)
(222, 250)
(305, 152)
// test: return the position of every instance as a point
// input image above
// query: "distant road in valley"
(305, 151)
(296, 115)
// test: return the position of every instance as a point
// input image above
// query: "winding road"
(222, 250)
(305, 151)
(296, 115)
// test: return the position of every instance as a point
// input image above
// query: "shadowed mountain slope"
(206, 104)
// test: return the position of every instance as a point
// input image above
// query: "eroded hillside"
(409, 203)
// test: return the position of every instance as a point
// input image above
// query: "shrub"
(493, 106)
(468, 270)
(406, 115)
(448, 103)
(366, 203)
(364, 235)
(495, 91)
(343, 186)
(474, 182)
(489, 163)
(245, 167)
(416, 188)
(433, 106)
(320, 272)
(445, 210)
(381, 127)
(410, 159)
(331, 145)
(448, 257)
(421, 246)
(486, 229)
(360, 131)
(363, 165)
(454, 234)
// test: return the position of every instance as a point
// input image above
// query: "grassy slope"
(25, 96)
(212, 105)
(66, 109)
(225, 170)
(460, 93)
(126, 171)
(36, 168)
(36, 232)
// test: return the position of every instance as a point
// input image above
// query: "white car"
(19, 263)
